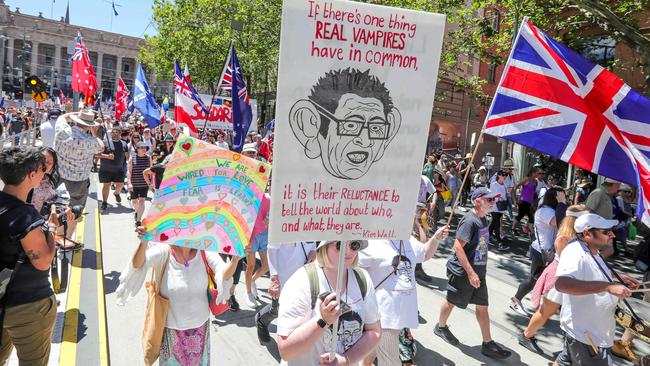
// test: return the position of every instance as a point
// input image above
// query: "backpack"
(314, 285)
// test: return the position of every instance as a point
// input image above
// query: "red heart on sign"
(262, 170)
(227, 248)
(186, 146)
(163, 237)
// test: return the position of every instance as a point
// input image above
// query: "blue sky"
(134, 15)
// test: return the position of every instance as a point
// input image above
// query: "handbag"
(446, 194)
(155, 317)
(213, 292)
(502, 205)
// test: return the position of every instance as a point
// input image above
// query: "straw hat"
(84, 118)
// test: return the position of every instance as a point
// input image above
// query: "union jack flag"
(83, 75)
(187, 103)
(554, 100)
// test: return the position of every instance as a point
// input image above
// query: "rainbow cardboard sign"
(209, 199)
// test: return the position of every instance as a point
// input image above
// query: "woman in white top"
(284, 260)
(542, 250)
(186, 338)
(304, 321)
(497, 186)
(391, 265)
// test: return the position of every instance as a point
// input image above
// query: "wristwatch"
(321, 323)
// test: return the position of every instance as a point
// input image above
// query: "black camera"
(60, 211)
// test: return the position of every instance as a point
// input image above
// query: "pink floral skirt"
(190, 347)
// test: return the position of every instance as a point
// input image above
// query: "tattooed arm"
(39, 248)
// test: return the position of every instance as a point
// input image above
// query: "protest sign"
(355, 92)
(220, 117)
(209, 198)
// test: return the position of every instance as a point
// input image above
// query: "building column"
(10, 58)
(99, 69)
(118, 69)
(33, 69)
(57, 61)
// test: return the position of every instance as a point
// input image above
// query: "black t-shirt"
(119, 149)
(29, 284)
(17, 125)
(474, 231)
(158, 170)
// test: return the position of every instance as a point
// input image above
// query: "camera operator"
(27, 303)
(76, 144)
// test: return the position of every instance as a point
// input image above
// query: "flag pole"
(480, 136)
(216, 91)
(339, 284)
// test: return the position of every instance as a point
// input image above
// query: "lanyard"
(584, 247)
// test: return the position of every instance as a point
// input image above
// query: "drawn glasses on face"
(378, 128)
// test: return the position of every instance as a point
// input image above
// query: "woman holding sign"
(308, 308)
(181, 274)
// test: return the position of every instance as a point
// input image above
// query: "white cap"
(249, 147)
(592, 221)
(364, 243)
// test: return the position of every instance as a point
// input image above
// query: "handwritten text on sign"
(357, 30)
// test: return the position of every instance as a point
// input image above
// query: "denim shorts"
(260, 242)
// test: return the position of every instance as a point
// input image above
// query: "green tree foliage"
(199, 31)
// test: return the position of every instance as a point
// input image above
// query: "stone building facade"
(35, 45)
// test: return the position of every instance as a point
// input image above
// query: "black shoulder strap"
(361, 281)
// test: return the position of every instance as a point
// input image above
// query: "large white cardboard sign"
(355, 93)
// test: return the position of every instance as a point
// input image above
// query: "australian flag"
(554, 100)
(144, 101)
(242, 113)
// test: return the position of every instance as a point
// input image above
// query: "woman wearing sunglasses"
(309, 308)
(391, 265)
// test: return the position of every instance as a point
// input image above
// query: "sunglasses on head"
(355, 246)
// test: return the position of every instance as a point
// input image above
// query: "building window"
(108, 64)
(491, 74)
(496, 20)
(599, 49)
(49, 56)
(127, 67)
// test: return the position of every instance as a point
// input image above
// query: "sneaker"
(529, 343)
(262, 330)
(516, 305)
(624, 351)
(446, 334)
(104, 205)
(233, 305)
(254, 290)
(492, 350)
(138, 224)
(250, 300)
(420, 274)
(118, 198)
(502, 247)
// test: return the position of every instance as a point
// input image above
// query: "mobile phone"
(323, 295)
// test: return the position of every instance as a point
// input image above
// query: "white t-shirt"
(397, 296)
(185, 287)
(425, 187)
(295, 309)
(48, 129)
(497, 188)
(286, 258)
(592, 313)
(222, 145)
(546, 231)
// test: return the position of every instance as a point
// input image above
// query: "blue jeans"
(509, 205)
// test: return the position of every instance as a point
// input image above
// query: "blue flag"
(242, 113)
(143, 100)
